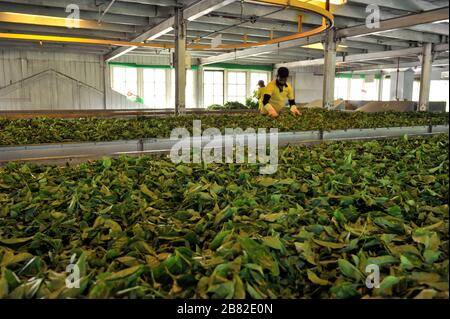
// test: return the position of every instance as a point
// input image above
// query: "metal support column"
(180, 62)
(200, 88)
(380, 86)
(329, 75)
(425, 78)
(105, 82)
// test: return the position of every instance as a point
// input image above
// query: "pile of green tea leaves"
(148, 228)
(36, 131)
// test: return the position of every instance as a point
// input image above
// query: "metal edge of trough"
(158, 145)
(11, 153)
(440, 129)
(284, 138)
(375, 132)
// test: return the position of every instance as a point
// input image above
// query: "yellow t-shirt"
(260, 96)
(278, 98)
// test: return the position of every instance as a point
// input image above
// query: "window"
(370, 92)
(190, 97)
(357, 87)
(237, 87)
(155, 88)
(386, 89)
(341, 88)
(213, 88)
(255, 77)
(439, 92)
(416, 91)
(124, 80)
(364, 89)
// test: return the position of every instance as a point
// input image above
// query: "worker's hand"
(295, 110)
(271, 110)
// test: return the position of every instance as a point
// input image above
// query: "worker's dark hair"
(261, 82)
(283, 72)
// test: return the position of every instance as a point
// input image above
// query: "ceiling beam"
(11, 44)
(161, 3)
(106, 10)
(393, 66)
(396, 23)
(132, 9)
(410, 5)
(61, 22)
(261, 50)
(345, 15)
(385, 25)
(100, 34)
(419, 37)
(122, 20)
(366, 57)
(191, 13)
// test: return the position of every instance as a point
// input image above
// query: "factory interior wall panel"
(308, 87)
(402, 84)
(32, 80)
(44, 80)
(436, 75)
(144, 60)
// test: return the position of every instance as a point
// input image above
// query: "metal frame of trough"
(115, 113)
(76, 152)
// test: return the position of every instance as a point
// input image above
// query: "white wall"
(35, 80)
(308, 87)
(402, 86)
(32, 80)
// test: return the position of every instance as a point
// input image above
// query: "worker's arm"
(293, 105)
(267, 98)
(269, 108)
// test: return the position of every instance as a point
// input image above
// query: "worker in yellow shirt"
(260, 93)
(276, 94)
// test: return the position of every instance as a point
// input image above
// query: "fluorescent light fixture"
(441, 21)
(335, 2)
(13, 17)
(319, 46)
(315, 46)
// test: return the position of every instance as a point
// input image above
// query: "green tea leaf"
(349, 270)
(124, 273)
(329, 244)
(271, 218)
(316, 280)
(273, 242)
(15, 241)
(260, 255)
(387, 284)
(382, 260)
